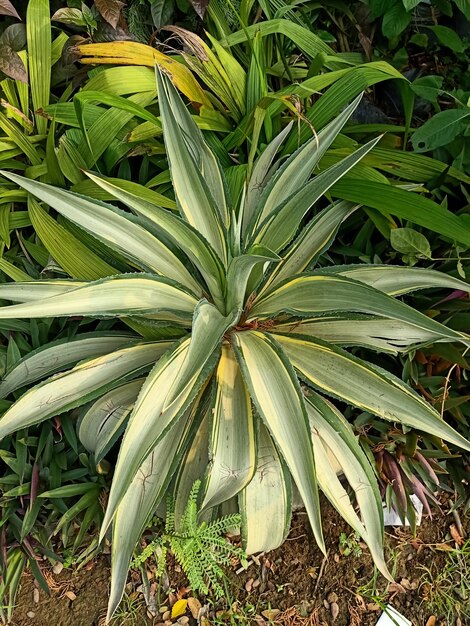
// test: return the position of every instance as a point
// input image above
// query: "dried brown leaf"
(110, 10)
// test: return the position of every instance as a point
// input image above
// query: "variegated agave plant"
(237, 395)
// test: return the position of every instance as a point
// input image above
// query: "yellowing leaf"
(179, 608)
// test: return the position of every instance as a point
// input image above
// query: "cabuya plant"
(235, 392)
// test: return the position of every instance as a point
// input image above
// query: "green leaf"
(69, 16)
(448, 37)
(38, 30)
(395, 20)
(440, 130)
(232, 442)
(369, 388)
(428, 87)
(30, 291)
(410, 242)
(266, 505)
(276, 394)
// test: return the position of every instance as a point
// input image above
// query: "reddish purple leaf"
(110, 10)
(6, 8)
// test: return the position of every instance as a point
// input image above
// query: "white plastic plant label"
(391, 517)
(391, 617)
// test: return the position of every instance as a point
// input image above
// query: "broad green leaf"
(167, 392)
(396, 281)
(232, 441)
(266, 502)
(129, 294)
(411, 243)
(440, 130)
(19, 139)
(193, 194)
(371, 389)
(106, 418)
(38, 33)
(113, 227)
(448, 37)
(277, 396)
(307, 295)
(395, 20)
(57, 355)
(79, 385)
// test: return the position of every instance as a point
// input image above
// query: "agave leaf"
(57, 355)
(196, 202)
(396, 280)
(312, 241)
(232, 443)
(112, 227)
(83, 383)
(277, 396)
(183, 235)
(331, 431)
(30, 291)
(105, 420)
(383, 335)
(343, 376)
(166, 394)
(266, 502)
(307, 295)
(146, 489)
(130, 294)
(282, 224)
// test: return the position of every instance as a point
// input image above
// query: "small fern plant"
(200, 548)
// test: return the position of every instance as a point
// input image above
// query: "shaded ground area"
(293, 585)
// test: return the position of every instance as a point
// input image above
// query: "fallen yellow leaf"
(179, 608)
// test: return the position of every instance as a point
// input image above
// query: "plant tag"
(391, 617)
(391, 517)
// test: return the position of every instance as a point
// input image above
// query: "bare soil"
(293, 585)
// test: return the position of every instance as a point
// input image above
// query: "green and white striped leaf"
(276, 394)
(380, 334)
(282, 223)
(30, 291)
(331, 434)
(136, 507)
(197, 249)
(106, 418)
(137, 294)
(79, 385)
(266, 502)
(396, 280)
(166, 394)
(113, 227)
(341, 375)
(192, 191)
(310, 294)
(312, 241)
(57, 355)
(232, 441)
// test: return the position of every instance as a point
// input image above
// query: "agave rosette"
(234, 391)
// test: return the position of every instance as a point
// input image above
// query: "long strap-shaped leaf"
(167, 392)
(137, 294)
(30, 291)
(312, 241)
(354, 329)
(113, 227)
(192, 192)
(282, 223)
(187, 238)
(276, 394)
(330, 429)
(80, 385)
(57, 355)
(308, 295)
(266, 502)
(295, 172)
(343, 376)
(232, 445)
(396, 280)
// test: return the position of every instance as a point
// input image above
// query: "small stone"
(332, 597)
(36, 595)
(334, 609)
(168, 622)
(166, 616)
(184, 619)
(431, 621)
(58, 567)
(71, 595)
(30, 614)
(163, 609)
(270, 614)
(326, 604)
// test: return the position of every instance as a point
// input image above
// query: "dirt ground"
(292, 586)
